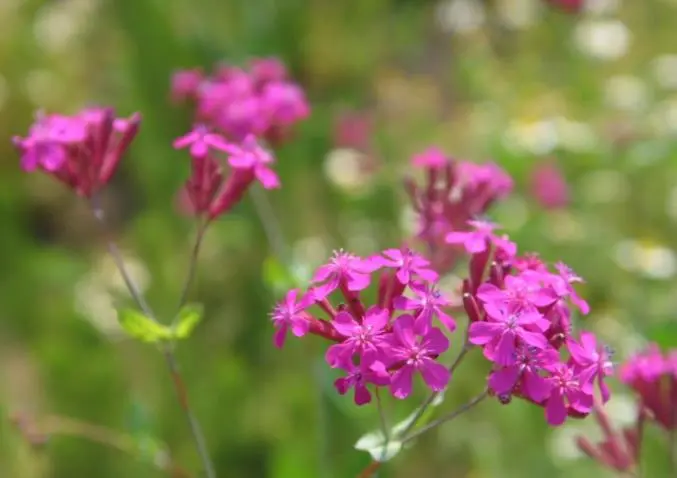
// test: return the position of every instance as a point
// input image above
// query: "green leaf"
(189, 316)
(143, 328)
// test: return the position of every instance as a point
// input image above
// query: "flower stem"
(446, 418)
(422, 409)
(192, 265)
(271, 225)
(167, 352)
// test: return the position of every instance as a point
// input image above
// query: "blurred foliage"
(512, 80)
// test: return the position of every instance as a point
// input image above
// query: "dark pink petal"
(435, 375)
(555, 410)
(345, 324)
(505, 350)
(401, 382)
(404, 330)
(481, 333)
(534, 339)
(267, 177)
(535, 387)
(299, 326)
(503, 380)
(376, 318)
(280, 335)
(362, 395)
(435, 341)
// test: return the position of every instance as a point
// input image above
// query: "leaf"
(189, 316)
(143, 328)
(375, 444)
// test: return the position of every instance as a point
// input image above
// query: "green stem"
(446, 418)
(192, 265)
(167, 352)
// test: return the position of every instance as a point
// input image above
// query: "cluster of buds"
(454, 193)
(82, 151)
(261, 100)
(652, 376)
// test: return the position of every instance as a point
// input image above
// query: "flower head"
(289, 314)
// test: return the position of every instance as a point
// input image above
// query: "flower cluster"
(521, 317)
(82, 151)
(652, 375)
(454, 193)
(383, 344)
(260, 100)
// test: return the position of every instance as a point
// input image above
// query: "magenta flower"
(525, 373)
(592, 362)
(478, 240)
(285, 103)
(359, 376)
(416, 352)
(344, 268)
(408, 263)
(185, 84)
(429, 302)
(200, 141)
(521, 293)
(501, 331)
(362, 339)
(548, 186)
(433, 158)
(564, 287)
(289, 314)
(565, 392)
(251, 156)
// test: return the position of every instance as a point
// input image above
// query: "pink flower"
(427, 303)
(361, 338)
(592, 362)
(289, 314)
(565, 392)
(200, 141)
(549, 187)
(653, 376)
(416, 351)
(359, 376)
(250, 156)
(525, 373)
(185, 84)
(564, 287)
(520, 293)
(409, 264)
(343, 268)
(433, 158)
(478, 240)
(501, 331)
(82, 151)
(284, 103)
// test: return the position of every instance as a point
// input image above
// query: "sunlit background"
(538, 88)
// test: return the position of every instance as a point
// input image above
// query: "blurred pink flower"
(548, 186)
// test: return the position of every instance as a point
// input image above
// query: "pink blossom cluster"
(520, 314)
(260, 100)
(454, 193)
(83, 151)
(652, 375)
(384, 343)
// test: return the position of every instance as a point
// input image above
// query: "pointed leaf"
(142, 328)
(188, 318)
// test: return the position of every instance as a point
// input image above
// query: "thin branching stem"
(170, 359)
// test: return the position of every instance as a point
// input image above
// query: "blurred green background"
(517, 81)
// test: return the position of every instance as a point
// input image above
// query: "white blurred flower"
(663, 119)
(343, 167)
(603, 39)
(575, 135)
(653, 261)
(519, 14)
(58, 24)
(626, 93)
(95, 293)
(460, 16)
(310, 250)
(665, 71)
(537, 137)
(601, 7)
